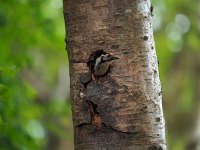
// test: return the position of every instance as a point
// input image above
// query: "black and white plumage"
(99, 63)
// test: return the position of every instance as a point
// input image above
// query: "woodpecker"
(99, 63)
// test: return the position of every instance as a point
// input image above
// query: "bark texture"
(122, 111)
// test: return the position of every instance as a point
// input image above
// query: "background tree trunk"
(128, 99)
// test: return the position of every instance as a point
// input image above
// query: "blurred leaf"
(8, 71)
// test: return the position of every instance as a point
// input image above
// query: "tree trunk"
(123, 110)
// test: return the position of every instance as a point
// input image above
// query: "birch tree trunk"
(127, 102)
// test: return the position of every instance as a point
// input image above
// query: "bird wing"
(97, 63)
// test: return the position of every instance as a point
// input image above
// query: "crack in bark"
(118, 130)
(82, 124)
(151, 10)
(95, 117)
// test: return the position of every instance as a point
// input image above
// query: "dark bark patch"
(103, 93)
(155, 74)
(82, 124)
(146, 38)
(155, 147)
(151, 10)
(85, 79)
(144, 109)
(157, 119)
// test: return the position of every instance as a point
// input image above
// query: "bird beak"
(113, 58)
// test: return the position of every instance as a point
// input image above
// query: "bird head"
(108, 57)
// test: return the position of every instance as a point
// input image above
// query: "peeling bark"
(123, 110)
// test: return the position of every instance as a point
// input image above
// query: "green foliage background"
(34, 84)
(34, 87)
